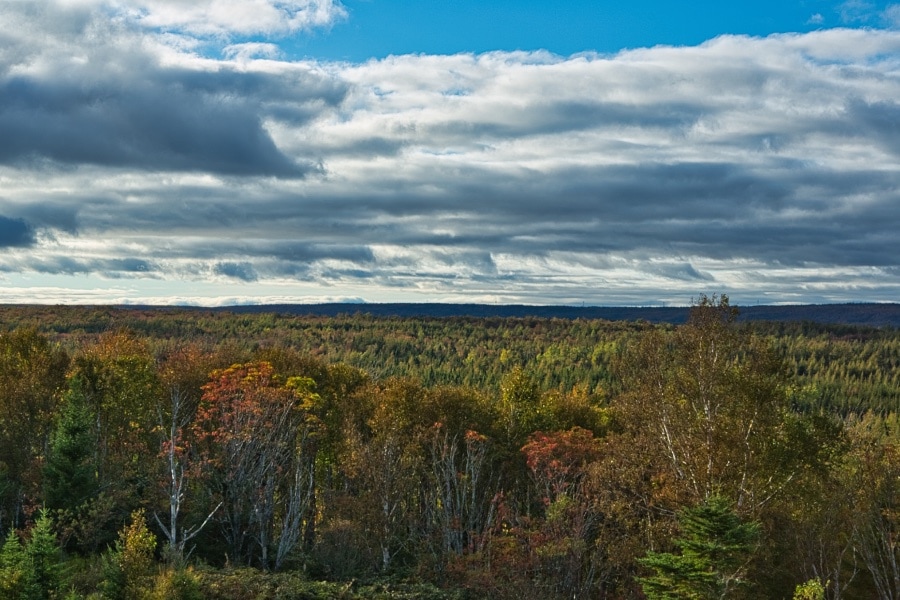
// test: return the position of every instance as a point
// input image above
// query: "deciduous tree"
(32, 379)
(714, 400)
(251, 430)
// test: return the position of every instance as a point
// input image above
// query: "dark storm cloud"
(77, 89)
(15, 233)
(243, 271)
(183, 122)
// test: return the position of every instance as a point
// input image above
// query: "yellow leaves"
(135, 550)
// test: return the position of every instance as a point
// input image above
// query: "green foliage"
(70, 475)
(713, 401)
(13, 568)
(32, 372)
(176, 584)
(358, 445)
(43, 561)
(811, 590)
(240, 584)
(129, 568)
(715, 547)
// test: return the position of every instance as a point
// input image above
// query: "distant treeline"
(873, 314)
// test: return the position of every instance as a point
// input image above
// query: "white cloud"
(251, 50)
(232, 17)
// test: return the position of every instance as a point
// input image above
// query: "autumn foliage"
(253, 456)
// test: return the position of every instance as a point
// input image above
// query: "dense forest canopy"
(152, 452)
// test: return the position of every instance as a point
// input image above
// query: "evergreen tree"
(70, 475)
(42, 560)
(12, 568)
(128, 568)
(715, 548)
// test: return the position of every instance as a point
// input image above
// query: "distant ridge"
(875, 315)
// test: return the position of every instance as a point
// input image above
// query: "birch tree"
(714, 400)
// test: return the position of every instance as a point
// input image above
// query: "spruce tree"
(70, 475)
(715, 547)
(42, 560)
(13, 567)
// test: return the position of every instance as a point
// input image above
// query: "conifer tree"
(12, 567)
(715, 547)
(42, 560)
(70, 475)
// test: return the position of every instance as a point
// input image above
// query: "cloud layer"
(762, 167)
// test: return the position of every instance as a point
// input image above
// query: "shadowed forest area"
(176, 453)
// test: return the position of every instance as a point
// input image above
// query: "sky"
(213, 152)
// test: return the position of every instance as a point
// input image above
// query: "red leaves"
(240, 402)
(557, 459)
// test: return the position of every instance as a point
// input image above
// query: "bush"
(177, 584)
(811, 590)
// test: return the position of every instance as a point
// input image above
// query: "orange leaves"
(242, 400)
(558, 459)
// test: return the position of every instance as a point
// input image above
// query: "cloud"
(856, 11)
(91, 92)
(109, 267)
(892, 15)
(757, 166)
(251, 50)
(15, 233)
(243, 271)
(226, 17)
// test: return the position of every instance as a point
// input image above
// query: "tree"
(714, 401)
(182, 375)
(129, 566)
(117, 376)
(384, 463)
(251, 430)
(715, 547)
(13, 567)
(811, 590)
(70, 474)
(876, 528)
(519, 406)
(568, 556)
(43, 560)
(460, 502)
(32, 378)
(822, 508)
(558, 460)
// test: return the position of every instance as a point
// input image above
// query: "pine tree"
(42, 560)
(715, 546)
(12, 567)
(70, 475)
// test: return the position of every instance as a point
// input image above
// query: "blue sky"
(222, 152)
(378, 28)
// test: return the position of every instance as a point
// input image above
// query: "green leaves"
(70, 473)
(715, 547)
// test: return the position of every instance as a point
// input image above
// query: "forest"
(151, 453)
